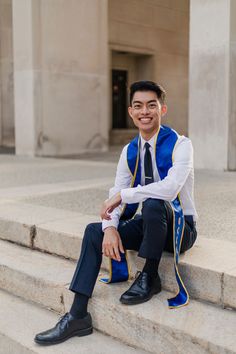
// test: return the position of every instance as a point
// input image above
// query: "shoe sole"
(80, 333)
(139, 301)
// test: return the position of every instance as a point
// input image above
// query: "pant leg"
(89, 262)
(155, 228)
(90, 259)
(157, 217)
(149, 234)
(131, 233)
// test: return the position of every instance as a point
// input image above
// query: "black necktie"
(148, 165)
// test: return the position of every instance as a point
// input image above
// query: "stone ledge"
(208, 269)
(18, 220)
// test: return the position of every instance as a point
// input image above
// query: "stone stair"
(16, 337)
(43, 279)
(40, 272)
(209, 269)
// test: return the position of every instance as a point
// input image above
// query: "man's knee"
(93, 234)
(153, 207)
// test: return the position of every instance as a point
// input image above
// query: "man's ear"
(130, 112)
(163, 109)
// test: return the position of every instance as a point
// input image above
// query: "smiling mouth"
(145, 119)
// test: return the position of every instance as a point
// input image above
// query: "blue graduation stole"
(164, 147)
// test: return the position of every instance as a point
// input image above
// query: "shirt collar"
(151, 142)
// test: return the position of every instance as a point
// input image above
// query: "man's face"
(146, 111)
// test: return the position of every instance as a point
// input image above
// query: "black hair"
(147, 86)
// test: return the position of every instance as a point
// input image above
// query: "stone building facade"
(65, 66)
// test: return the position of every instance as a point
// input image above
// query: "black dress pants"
(149, 233)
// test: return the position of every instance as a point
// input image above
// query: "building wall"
(158, 28)
(6, 75)
(61, 57)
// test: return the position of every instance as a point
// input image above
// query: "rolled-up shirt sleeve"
(168, 188)
(122, 181)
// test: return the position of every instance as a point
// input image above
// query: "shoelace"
(63, 319)
(139, 280)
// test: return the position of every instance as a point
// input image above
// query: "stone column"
(61, 76)
(25, 23)
(6, 75)
(212, 83)
(0, 98)
(232, 90)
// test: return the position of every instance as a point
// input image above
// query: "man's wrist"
(109, 228)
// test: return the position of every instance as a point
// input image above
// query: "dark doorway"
(119, 98)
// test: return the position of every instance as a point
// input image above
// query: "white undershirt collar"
(151, 142)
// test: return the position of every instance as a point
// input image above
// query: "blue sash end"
(119, 271)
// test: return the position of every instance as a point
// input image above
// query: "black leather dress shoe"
(143, 288)
(67, 327)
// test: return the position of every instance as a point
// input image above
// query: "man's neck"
(148, 136)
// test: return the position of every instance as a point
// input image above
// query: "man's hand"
(109, 205)
(112, 245)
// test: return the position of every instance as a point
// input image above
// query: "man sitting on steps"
(155, 169)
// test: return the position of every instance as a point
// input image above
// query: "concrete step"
(44, 279)
(22, 320)
(208, 269)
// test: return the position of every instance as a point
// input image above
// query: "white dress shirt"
(179, 180)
